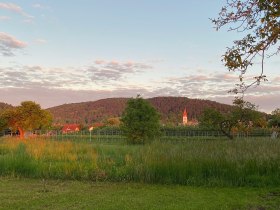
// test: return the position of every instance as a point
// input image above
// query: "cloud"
(211, 86)
(276, 79)
(98, 62)
(8, 44)
(3, 18)
(15, 8)
(55, 86)
(266, 103)
(40, 6)
(40, 41)
(49, 97)
(38, 76)
(114, 70)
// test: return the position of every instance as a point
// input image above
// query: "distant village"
(75, 127)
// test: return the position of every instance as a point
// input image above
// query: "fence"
(115, 134)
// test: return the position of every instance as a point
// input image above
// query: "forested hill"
(170, 108)
(4, 106)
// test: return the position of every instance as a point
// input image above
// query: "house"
(70, 128)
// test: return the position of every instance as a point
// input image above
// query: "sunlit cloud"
(8, 44)
(15, 8)
(105, 79)
(276, 79)
(210, 86)
(49, 97)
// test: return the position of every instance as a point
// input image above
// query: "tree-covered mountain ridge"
(4, 106)
(170, 109)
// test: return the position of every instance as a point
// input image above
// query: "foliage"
(275, 119)
(261, 20)
(170, 109)
(27, 117)
(242, 117)
(211, 119)
(140, 121)
(113, 121)
(3, 124)
(4, 106)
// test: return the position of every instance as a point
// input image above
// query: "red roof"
(70, 128)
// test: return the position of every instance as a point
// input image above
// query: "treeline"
(4, 106)
(170, 109)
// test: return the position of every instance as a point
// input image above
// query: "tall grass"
(244, 162)
(226, 163)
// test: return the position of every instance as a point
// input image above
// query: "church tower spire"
(185, 117)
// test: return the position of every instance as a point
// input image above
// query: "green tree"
(275, 118)
(26, 117)
(243, 116)
(3, 124)
(211, 119)
(140, 121)
(259, 20)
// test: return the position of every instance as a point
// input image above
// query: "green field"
(243, 162)
(171, 174)
(61, 194)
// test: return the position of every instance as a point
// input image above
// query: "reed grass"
(243, 162)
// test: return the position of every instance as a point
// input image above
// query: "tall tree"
(260, 21)
(140, 121)
(211, 119)
(275, 118)
(26, 117)
(242, 117)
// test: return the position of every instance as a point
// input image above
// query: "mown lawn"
(57, 194)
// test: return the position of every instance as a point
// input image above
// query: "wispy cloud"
(15, 8)
(103, 70)
(3, 18)
(38, 76)
(48, 97)
(37, 5)
(40, 41)
(212, 85)
(65, 86)
(104, 75)
(8, 44)
(40, 6)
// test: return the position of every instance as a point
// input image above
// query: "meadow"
(251, 162)
(72, 194)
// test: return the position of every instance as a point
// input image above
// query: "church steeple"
(185, 117)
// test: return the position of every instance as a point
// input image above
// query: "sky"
(67, 51)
